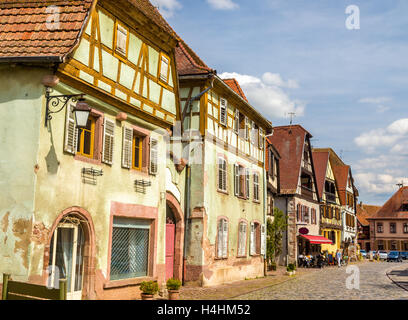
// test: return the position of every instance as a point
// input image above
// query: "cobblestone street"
(330, 284)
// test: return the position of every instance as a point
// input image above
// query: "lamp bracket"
(55, 104)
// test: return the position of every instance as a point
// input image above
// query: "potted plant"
(291, 269)
(149, 289)
(173, 286)
(273, 266)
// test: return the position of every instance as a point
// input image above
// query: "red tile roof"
(320, 161)
(24, 32)
(289, 141)
(365, 211)
(234, 85)
(188, 62)
(392, 208)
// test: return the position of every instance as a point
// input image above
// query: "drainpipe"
(188, 174)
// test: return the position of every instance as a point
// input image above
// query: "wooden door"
(170, 235)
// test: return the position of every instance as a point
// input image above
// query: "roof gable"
(234, 85)
(320, 161)
(289, 141)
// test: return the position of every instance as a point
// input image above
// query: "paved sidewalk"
(237, 288)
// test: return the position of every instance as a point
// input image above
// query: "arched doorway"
(70, 253)
(174, 238)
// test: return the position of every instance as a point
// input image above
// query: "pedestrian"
(338, 257)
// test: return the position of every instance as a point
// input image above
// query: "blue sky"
(347, 87)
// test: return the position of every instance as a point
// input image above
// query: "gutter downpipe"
(188, 175)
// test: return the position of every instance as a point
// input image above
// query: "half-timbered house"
(88, 203)
(226, 193)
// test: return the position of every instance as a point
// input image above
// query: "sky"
(344, 73)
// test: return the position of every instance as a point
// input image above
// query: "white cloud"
(167, 7)
(395, 133)
(379, 101)
(275, 79)
(267, 94)
(223, 4)
(380, 173)
(375, 100)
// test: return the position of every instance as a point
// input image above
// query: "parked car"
(404, 255)
(363, 253)
(383, 254)
(394, 256)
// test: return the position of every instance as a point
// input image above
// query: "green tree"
(275, 231)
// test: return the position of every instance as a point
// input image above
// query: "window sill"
(256, 201)
(220, 258)
(241, 257)
(242, 198)
(87, 160)
(127, 282)
(223, 192)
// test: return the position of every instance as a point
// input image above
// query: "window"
(306, 181)
(313, 217)
(130, 248)
(405, 227)
(393, 227)
(254, 134)
(306, 214)
(298, 212)
(137, 152)
(404, 207)
(222, 174)
(380, 245)
(394, 245)
(223, 111)
(256, 187)
(164, 68)
(86, 138)
(222, 239)
(121, 40)
(379, 227)
(242, 238)
(241, 181)
(257, 238)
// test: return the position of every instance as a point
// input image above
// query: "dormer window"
(121, 40)
(306, 181)
(164, 68)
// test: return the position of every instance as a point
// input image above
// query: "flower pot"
(289, 273)
(146, 296)
(174, 294)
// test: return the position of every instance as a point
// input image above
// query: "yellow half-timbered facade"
(227, 192)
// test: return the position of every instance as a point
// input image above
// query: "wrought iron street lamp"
(55, 104)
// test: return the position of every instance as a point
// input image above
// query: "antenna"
(292, 115)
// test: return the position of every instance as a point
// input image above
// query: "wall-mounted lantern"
(55, 104)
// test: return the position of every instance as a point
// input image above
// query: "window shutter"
(71, 131)
(153, 155)
(220, 239)
(222, 174)
(236, 179)
(246, 128)
(242, 239)
(223, 111)
(253, 240)
(127, 147)
(247, 183)
(108, 141)
(225, 240)
(263, 239)
(236, 123)
(261, 139)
